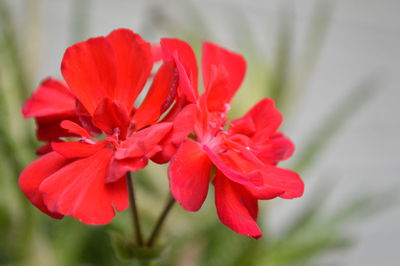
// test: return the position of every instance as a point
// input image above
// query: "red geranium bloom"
(52, 103)
(104, 76)
(245, 155)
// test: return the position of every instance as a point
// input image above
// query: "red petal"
(79, 190)
(51, 98)
(189, 175)
(202, 119)
(134, 62)
(240, 171)
(119, 168)
(177, 107)
(85, 119)
(165, 154)
(185, 87)
(143, 142)
(182, 126)
(279, 182)
(236, 207)
(42, 150)
(77, 149)
(223, 72)
(183, 54)
(119, 194)
(260, 123)
(50, 104)
(156, 52)
(90, 70)
(277, 149)
(183, 123)
(160, 96)
(111, 115)
(35, 173)
(74, 128)
(49, 129)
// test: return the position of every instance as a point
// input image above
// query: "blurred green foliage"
(28, 237)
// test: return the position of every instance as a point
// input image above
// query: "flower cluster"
(104, 122)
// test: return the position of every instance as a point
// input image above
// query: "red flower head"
(105, 75)
(244, 156)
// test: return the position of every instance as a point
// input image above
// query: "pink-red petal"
(79, 190)
(111, 117)
(90, 70)
(119, 194)
(35, 173)
(134, 62)
(85, 120)
(46, 148)
(161, 95)
(189, 175)
(143, 142)
(156, 52)
(232, 169)
(236, 207)
(182, 126)
(52, 97)
(277, 149)
(74, 128)
(119, 167)
(184, 56)
(77, 149)
(49, 129)
(279, 182)
(223, 72)
(259, 123)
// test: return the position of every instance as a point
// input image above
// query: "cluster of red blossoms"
(95, 132)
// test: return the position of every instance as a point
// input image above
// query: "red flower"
(49, 105)
(83, 178)
(244, 156)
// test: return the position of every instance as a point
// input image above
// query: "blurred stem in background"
(16, 144)
(344, 111)
(279, 84)
(317, 31)
(80, 20)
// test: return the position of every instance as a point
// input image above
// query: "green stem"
(134, 211)
(160, 222)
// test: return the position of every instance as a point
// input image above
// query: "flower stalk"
(143, 247)
(134, 211)
(160, 221)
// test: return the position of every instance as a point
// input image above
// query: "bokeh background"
(333, 68)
